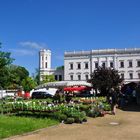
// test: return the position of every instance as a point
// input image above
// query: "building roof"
(103, 52)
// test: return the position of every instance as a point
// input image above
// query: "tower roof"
(45, 50)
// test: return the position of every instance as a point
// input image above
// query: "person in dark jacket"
(121, 98)
(113, 101)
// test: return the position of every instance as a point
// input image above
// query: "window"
(86, 65)
(78, 66)
(111, 64)
(131, 75)
(122, 75)
(71, 66)
(130, 64)
(96, 64)
(103, 64)
(71, 77)
(122, 64)
(86, 77)
(56, 77)
(42, 65)
(42, 58)
(60, 77)
(46, 65)
(138, 63)
(79, 77)
(139, 75)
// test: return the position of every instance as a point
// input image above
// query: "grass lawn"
(13, 125)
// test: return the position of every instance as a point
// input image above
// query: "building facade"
(45, 66)
(78, 65)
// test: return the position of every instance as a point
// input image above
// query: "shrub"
(79, 116)
(107, 107)
(93, 113)
(59, 116)
(84, 107)
(19, 99)
(62, 117)
(49, 101)
(69, 121)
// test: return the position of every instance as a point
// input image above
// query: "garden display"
(73, 112)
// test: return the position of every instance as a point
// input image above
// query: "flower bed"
(67, 113)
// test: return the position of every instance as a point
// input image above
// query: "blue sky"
(26, 26)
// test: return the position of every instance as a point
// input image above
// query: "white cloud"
(33, 45)
(22, 52)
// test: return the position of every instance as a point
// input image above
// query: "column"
(99, 61)
(115, 62)
(107, 62)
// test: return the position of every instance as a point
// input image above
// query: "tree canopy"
(5, 60)
(13, 76)
(104, 79)
(48, 78)
(60, 68)
(16, 75)
(36, 76)
(28, 84)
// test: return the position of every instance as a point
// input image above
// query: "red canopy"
(81, 88)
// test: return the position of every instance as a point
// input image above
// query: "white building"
(80, 64)
(45, 66)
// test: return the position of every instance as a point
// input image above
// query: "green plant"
(59, 116)
(19, 99)
(107, 107)
(69, 121)
(94, 113)
(84, 107)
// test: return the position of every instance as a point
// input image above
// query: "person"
(121, 98)
(113, 101)
(134, 98)
(128, 94)
(138, 94)
(69, 96)
(59, 96)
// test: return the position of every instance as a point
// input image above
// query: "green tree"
(60, 68)
(36, 76)
(17, 74)
(28, 84)
(49, 78)
(5, 60)
(4, 77)
(104, 79)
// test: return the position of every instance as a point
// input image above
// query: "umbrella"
(81, 88)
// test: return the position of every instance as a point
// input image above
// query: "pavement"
(125, 125)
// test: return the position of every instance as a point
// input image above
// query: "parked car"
(41, 95)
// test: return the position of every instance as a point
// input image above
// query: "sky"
(26, 26)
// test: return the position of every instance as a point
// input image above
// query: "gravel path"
(125, 125)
